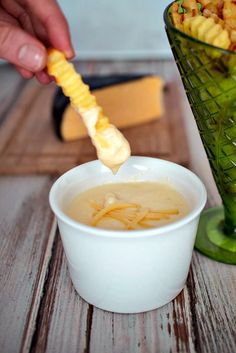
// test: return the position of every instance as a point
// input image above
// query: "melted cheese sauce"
(115, 150)
(151, 196)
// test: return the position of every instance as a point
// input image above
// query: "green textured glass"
(209, 78)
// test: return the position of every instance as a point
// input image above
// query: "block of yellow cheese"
(125, 104)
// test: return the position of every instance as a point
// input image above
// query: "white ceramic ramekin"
(128, 271)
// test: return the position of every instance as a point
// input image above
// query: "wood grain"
(212, 287)
(164, 330)
(26, 244)
(190, 323)
(204, 310)
(68, 324)
(62, 321)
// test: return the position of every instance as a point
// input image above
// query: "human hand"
(27, 28)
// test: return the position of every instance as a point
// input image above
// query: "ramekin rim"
(100, 232)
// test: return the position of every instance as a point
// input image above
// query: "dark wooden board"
(28, 143)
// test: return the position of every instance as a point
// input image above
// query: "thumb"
(21, 49)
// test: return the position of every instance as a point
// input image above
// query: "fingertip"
(60, 37)
(65, 47)
(43, 77)
(70, 52)
(32, 57)
(22, 49)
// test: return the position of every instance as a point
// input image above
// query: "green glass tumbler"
(208, 74)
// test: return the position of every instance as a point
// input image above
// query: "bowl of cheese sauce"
(128, 237)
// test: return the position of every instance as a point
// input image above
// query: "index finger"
(52, 18)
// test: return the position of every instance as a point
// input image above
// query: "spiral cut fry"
(206, 30)
(211, 21)
(73, 86)
(112, 148)
(229, 15)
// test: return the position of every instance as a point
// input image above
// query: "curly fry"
(229, 17)
(207, 30)
(73, 86)
(112, 148)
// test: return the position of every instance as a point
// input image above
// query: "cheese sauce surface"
(128, 206)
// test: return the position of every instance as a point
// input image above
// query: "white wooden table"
(39, 309)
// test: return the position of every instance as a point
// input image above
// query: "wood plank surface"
(71, 325)
(201, 319)
(212, 288)
(62, 324)
(26, 238)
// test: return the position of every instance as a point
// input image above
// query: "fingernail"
(31, 57)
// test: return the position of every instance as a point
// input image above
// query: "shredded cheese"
(133, 216)
(101, 213)
(139, 217)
